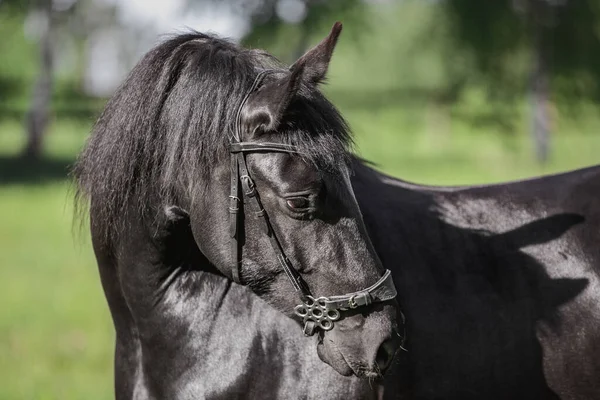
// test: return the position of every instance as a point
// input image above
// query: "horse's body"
(499, 286)
(498, 283)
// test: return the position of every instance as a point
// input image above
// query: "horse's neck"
(393, 214)
(248, 340)
(234, 309)
(205, 320)
(213, 308)
(221, 314)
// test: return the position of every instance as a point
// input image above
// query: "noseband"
(315, 312)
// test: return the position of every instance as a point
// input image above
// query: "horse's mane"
(170, 122)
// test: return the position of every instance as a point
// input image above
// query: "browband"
(255, 147)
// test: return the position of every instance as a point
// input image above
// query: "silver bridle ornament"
(322, 312)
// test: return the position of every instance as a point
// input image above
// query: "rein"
(315, 312)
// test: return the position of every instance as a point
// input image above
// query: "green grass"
(55, 330)
(427, 147)
(56, 335)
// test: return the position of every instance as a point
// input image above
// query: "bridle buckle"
(352, 303)
(249, 186)
(234, 207)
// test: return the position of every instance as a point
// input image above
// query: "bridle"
(315, 312)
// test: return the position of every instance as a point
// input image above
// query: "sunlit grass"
(55, 330)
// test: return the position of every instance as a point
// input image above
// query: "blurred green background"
(437, 92)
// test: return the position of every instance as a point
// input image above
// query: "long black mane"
(170, 123)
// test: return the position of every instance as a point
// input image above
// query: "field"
(55, 331)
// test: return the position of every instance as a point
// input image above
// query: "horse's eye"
(298, 203)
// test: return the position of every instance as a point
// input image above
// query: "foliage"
(498, 32)
(291, 40)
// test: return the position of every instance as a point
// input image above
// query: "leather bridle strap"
(322, 312)
(267, 147)
(382, 290)
(234, 195)
(234, 210)
(240, 174)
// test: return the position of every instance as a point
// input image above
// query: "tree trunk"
(37, 118)
(540, 94)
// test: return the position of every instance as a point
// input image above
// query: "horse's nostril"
(386, 354)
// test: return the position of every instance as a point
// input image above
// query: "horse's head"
(280, 215)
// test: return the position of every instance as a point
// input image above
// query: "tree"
(560, 37)
(53, 20)
(37, 116)
(267, 23)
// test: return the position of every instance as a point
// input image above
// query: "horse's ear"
(264, 109)
(315, 62)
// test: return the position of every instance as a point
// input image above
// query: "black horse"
(499, 285)
(209, 132)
